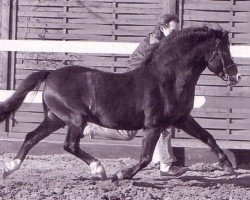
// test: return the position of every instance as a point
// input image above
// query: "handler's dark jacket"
(144, 49)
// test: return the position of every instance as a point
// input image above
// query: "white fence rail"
(88, 47)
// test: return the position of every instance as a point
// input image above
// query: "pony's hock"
(159, 94)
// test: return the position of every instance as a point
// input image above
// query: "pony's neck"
(174, 63)
(194, 61)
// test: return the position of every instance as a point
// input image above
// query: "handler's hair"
(164, 20)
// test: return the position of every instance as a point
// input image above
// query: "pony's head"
(211, 45)
(218, 56)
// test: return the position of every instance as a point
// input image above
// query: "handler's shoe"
(174, 171)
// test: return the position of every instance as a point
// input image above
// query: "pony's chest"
(179, 108)
(178, 105)
(184, 90)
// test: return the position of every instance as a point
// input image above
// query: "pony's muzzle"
(233, 80)
(238, 77)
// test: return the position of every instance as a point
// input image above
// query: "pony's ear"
(225, 36)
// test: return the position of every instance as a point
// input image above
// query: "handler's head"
(166, 25)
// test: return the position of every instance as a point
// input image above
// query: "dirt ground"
(66, 177)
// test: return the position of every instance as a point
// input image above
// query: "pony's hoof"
(227, 167)
(117, 177)
(229, 170)
(5, 174)
(10, 167)
(103, 176)
(98, 170)
(100, 175)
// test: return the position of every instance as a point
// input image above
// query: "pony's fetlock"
(98, 170)
(11, 166)
(226, 165)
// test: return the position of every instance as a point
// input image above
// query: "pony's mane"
(197, 32)
(186, 32)
(202, 31)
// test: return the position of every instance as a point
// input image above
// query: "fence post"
(5, 56)
(169, 6)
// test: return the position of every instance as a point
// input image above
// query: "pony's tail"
(33, 81)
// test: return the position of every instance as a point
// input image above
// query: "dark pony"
(159, 94)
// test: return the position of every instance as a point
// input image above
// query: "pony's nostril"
(238, 77)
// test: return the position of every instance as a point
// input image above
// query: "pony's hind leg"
(50, 124)
(191, 127)
(72, 145)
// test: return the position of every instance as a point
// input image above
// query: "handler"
(163, 153)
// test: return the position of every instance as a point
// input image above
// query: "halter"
(223, 74)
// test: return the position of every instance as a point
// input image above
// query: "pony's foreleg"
(72, 145)
(48, 126)
(148, 145)
(191, 127)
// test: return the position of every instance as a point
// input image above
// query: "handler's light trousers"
(163, 153)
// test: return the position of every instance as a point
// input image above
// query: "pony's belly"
(133, 121)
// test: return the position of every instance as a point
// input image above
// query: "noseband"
(223, 74)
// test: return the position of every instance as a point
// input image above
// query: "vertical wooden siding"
(226, 117)
(98, 20)
(2, 126)
(1, 1)
(4, 56)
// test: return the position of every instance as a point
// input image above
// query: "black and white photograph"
(124, 99)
